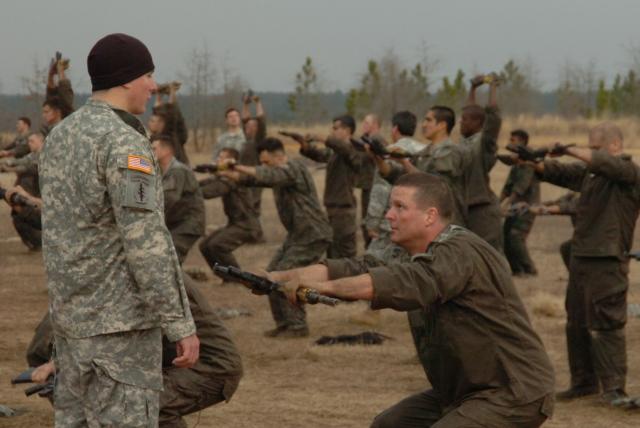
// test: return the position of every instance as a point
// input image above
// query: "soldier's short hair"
(229, 110)
(231, 152)
(270, 145)
(347, 121)
(164, 140)
(37, 134)
(26, 120)
(522, 135)
(406, 123)
(54, 103)
(444, 114)
(606, 133)
(431, 191)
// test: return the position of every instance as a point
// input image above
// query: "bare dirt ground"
(293, 383)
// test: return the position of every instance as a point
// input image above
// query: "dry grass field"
(293, 383)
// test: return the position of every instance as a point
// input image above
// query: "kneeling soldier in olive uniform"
(486, 365)
(183, 202)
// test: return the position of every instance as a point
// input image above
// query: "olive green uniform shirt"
(183, 201)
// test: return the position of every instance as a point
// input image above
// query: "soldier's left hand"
(188, 350)
(230, 174)
(290, 289)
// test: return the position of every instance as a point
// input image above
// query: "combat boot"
(615, 397)
(288, 332)
(577, 392)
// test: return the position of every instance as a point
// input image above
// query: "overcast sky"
(266, 41)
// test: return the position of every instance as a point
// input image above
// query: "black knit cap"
(117, 59)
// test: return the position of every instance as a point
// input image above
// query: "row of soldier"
(465, 166)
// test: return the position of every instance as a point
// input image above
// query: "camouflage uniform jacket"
(449, 161)
(229, 140)
(237, 201)
(379, 200)
(108, 255)
(296, 200)
(63, 92)
(483, 147)
(608, 206)
(479, 340)
(343, 163)
(183, 201)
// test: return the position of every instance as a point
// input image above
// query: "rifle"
(212, 168)
(16, 199)
(42, 389)
(537, 155)
(634, 255)
(262, 285)
(508, 160)
(377, 147)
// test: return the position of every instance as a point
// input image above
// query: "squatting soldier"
(522, 187)
(213, 379)
(479, 129)
(113, 275)
(485, 363)
(167, 119)
(183, 201)
(609, 185)
(242, 222)
(441, 157)
(233, 138)
(18, 147)
(27, 220)
(343, 163)
(308, 230)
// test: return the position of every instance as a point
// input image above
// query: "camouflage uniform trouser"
(486, 221)
(516, 230)
(596, 307)
(190, 390)
(110, 380)
(343, 223)
(424, 410)
(29, 227)
(365, 197)
(219, 245)
(288, 257)
(183, 243)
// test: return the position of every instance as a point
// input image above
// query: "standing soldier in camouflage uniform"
(113, 275)
(486, 365)
(609, 185)
(233, 138)
(364, 180)
(18, 147)
(238, 204)
(343, 163)
(308, 231)
(521, 188)
(167, 119)
(183, 202)
(480, 128)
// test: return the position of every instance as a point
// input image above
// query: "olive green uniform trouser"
(516, 231)
(189, 390)
(424, 410)
(218, 246)
(596, 305)
(343, 223)
(288, 257)
(29, 227)
(485, 220)
(183, 243)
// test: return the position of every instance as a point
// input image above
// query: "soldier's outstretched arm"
(313, 273)
(350, 288)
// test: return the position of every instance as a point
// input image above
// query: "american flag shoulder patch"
(139, 163)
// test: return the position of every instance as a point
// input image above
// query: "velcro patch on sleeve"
(140, 163)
